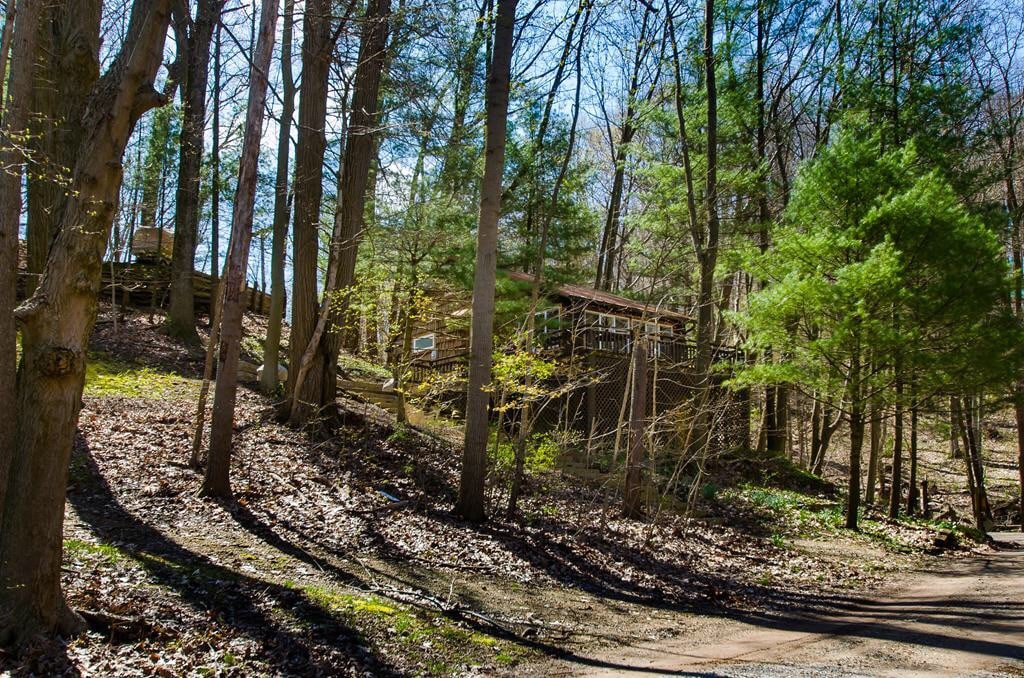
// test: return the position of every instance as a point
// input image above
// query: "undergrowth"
(793, 514)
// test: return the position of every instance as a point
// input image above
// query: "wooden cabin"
(152, 245)
(595, 331)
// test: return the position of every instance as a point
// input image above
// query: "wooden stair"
(372, 392)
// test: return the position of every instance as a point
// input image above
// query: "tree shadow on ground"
(679, 586)
(229, 596)
(201, 584)
(945, 618)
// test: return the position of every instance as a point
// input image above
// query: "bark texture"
(14, 124)
(272, 345)
(360, 152)
(474, 456)
(632, 506)
(65, 71)
(317, 43)
(218, 477)
(181, 311)
(56, 322)
(856, 400)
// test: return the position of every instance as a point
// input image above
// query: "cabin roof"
(607, 299)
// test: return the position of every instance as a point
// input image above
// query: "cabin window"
(425, 343)
(548, 321)
(606, 327)
(656, 331)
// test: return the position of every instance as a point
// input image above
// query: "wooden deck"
(147, 285)
(674, 351)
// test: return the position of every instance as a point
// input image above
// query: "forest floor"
(315, 569)
(965, 617)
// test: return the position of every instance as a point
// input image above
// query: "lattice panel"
(598, 408)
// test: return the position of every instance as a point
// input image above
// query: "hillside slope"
(341, 555)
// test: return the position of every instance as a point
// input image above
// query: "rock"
(282, 373)
(945, 539)
(247, 372)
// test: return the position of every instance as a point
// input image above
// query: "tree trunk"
(217, 482)
(896, 488)
(317, 48)
(181, 311)
(474, 457)
(816, 417)
(324, 343)
(767, 439)
(874, 453)
(5, 45)
(705, 241)
(56, 322)
(1018, 410)
(856, 443)
(632, 505)
(535, 288)
(954, 429)
(776, 424)
(975, 468)
(613, 220)
(364, 119)
(65, 72)
(272, 345)
(828, 429)
(13, 126)
(215, 174)
(912, 489)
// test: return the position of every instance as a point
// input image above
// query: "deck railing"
(664, 347)
(422, 368)
(564, 343)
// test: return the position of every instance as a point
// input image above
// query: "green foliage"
(77, 549)
(521, 375)
(572, 225)
(877, 258)
(400, 435)
(361, 367)
(708, 491)
(542, 454)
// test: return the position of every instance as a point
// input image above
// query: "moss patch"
(437, 644)
(105, 377)
(77, 549)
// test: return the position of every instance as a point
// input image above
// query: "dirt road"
(967, 620)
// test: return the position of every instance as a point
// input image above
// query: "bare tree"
(474, 456)
(181, 312)
(13, 126)
(272, 345)
(606, 262)
(348, 221)
(218, 478)
(317, 46)
(704, 235)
